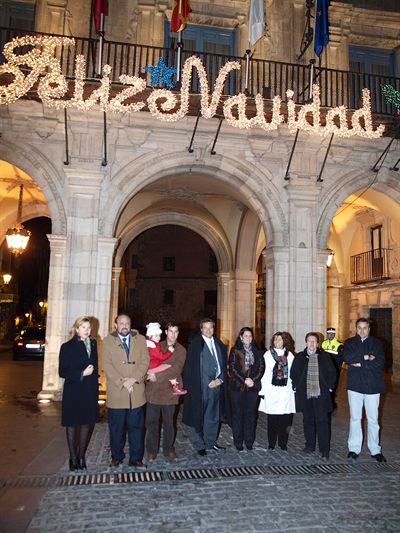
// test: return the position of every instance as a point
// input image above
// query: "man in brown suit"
(161, 401)
(125, 361)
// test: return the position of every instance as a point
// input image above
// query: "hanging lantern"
(17, 236)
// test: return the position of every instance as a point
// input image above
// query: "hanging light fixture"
(17, 236)
(7, 278)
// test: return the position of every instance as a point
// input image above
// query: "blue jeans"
(121, 421)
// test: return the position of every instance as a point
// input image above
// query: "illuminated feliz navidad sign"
(45, 68)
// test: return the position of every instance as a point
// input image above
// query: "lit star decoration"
(55, 91)
(392, 96)
(161, 74)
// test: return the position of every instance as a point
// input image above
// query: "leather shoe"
(325, 455)
(151, 457)
(73, 465)
(352, 455)
(217, 448)
(115, 462)
(201, 452)
(171, 456)
(308, 450)
(137, 464)
(379, 457)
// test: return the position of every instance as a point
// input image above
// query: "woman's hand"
(249, 383)
(88, 370)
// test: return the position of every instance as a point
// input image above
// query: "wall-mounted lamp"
(330, 258)
(7, 278)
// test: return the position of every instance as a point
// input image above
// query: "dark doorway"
(381, 328)
(169, 273)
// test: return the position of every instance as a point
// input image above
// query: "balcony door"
(376, 249)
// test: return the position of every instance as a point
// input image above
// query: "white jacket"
(277, 400)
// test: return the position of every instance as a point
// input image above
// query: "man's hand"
(128, 383)
(356, 364)
(215, 383)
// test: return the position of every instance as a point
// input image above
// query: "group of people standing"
(215, 389)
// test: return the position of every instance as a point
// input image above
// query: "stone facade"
(237, 199)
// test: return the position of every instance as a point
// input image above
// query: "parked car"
(30, 343)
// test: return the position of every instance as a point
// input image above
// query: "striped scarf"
(280, 372)
(313, 390)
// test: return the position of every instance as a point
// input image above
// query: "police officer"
(335, 348)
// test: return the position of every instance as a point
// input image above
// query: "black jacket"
(368, 378)
(327, 378)
(80, 395)
(192, 405)
(237, 372)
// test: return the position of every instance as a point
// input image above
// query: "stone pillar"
(104, 272)
(116, 272)
(56, 328)
(226, 306)
(278, 314)
(396, 335)
(245, 299)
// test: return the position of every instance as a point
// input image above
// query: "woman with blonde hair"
(276, 390)
(79, 367)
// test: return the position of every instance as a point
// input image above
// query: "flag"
(180, 13)
(99, 7)
(321, 28)
(256, 21)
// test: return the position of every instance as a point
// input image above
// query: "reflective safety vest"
(331, 346)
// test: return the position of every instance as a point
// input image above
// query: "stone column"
(56, 328)
(278, 314)
(396, 335)
(116, 272)
(245, 299)
(226, 306)
(104, 273)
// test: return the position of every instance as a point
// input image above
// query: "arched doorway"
(223, 218)
(363, 279)
(169, 272)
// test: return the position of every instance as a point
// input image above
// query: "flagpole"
(179, 46)
(101, 43)
(312, 60)
(247, 68)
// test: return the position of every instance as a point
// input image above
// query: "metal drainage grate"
(195, 474)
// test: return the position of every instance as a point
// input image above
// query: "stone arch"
(249, 231)
(44, 173)
(344, 187)
(219, 244)
(253, 181)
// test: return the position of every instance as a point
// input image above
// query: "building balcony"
(268, 78)
(370, 266)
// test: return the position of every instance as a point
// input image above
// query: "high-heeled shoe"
(73, 465)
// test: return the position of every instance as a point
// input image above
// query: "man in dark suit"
(365, 358)
(313, 378)
(205, 379)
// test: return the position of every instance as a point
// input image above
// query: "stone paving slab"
(365, 500)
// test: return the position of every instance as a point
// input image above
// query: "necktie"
(125, 343)
(214, 353)
(87, 346)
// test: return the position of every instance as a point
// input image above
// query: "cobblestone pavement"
(364, 498)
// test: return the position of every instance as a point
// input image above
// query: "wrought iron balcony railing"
(370, 266)
(269, 78)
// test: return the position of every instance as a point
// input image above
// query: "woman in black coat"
(245, 370)
(79, 367)
(313, 378)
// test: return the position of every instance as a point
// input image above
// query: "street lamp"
(17, 236)
(7, 278)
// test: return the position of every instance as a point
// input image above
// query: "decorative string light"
(52, 89)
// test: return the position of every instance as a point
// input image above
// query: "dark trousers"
(120, 422)
(316, 422)
(153, 414)
(278, 428)
(207, 438)
(244, 405)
